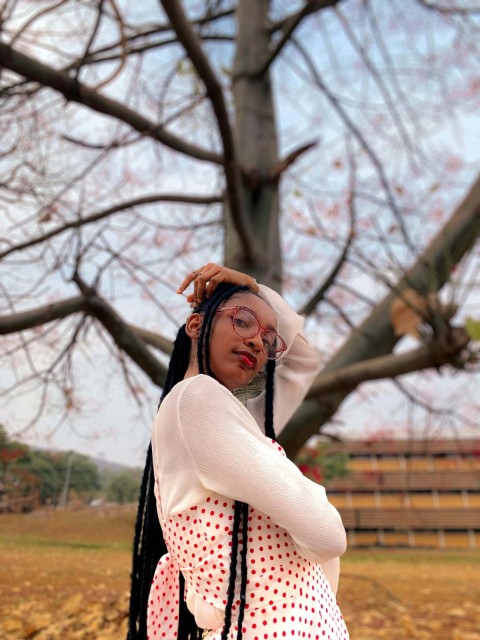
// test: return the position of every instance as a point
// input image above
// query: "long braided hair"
(149, 545)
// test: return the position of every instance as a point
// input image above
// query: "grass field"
(64, 575)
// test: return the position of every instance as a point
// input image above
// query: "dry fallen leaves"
(81, 617)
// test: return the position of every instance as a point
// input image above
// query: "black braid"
(148, 547)
(135, 599)
(233, 570)
(179, 361)
(149, 544)
(269, 385)
(243, 583)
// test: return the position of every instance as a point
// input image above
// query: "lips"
(248, 359)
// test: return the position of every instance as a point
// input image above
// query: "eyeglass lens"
(246, 325)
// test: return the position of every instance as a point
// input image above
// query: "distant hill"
(110, 468)
(105, 467)
(106, 470)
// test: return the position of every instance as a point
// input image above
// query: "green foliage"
(18, 487)
(124, 487)
(321, 463)
(472, 328)
(41, 475)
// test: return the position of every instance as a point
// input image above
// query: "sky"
(105, 422)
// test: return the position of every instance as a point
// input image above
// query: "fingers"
(199, 286)
(210, 275)
(200, 278)
(188, 280)
(212, 285)
(207, 278)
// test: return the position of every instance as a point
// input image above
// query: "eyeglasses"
(246, 325)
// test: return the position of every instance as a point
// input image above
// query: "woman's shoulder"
(196, 386)
(191, 397)
(199, 403)
(203, 394)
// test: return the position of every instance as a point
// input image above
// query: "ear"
(193, 325)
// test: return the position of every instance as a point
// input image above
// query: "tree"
(318, 145)
(18, 487)
(123, 487)
(29, 477)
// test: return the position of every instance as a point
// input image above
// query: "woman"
(248, 547)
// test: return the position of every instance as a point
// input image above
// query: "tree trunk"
(257, 150)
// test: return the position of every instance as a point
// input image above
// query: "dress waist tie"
(163, 602)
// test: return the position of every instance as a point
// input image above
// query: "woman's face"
(235, 360)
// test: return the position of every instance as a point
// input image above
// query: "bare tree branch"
(17, 322)
(153, 339)
(311, 7)
(390, 101)
(105, 213)
(34, 18)
(289, 25)
(138, 49)
(122, 142)
(440, 9)
(192, 46)
(375, 336)
(126, 43)
(122, 44)
(320, 294)
(329, 280)
(36, 71)
(163, 28)
(361, 139)
(392, 365)
(123, 336)
(47, 195)
(42, 315)
(289, 159)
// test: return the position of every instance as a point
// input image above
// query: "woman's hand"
(206, 278)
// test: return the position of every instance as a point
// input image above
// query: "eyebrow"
(267, 326)
(271, 327)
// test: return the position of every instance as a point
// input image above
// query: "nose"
(256, 342)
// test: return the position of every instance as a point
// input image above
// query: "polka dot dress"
(287, 596)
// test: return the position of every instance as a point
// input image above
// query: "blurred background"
(327, 147)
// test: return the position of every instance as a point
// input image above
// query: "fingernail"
(179, 290)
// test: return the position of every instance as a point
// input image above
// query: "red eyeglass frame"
(261, 329)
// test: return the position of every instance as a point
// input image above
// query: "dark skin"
(206, 279)
(234, 360)
(227, 349)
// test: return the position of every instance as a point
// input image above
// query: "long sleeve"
(229, 455)
(296, 368)
(331, 569)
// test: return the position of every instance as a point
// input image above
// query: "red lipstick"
(247, 359)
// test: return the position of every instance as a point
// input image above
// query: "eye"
(240, 322)
(269, 340)
(245, 320)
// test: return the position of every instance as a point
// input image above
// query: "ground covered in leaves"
(64, 576)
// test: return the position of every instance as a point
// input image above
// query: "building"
(418, 493)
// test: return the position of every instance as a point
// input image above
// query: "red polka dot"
(278, 579)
